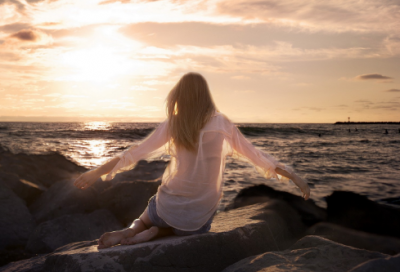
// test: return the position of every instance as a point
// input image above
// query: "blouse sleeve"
(263, 162)
(150, 146)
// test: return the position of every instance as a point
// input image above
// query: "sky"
(273, 61)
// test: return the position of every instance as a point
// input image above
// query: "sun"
(104, 58)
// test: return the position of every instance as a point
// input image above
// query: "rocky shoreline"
(46, 224)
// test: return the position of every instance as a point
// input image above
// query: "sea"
(364, 159)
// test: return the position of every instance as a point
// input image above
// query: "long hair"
(189, 107)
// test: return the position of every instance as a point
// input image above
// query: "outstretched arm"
(264, 162)
(87, 179)
(296, 179)
(126, 160)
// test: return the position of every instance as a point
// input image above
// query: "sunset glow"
(265, 61)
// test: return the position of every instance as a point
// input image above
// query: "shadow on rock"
(356, 238)
(71, 228)
(63, 198)
(311, 253)
(16, 223)
(128, 200)
(355, 211)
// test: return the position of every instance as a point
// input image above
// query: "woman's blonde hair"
(189, 107)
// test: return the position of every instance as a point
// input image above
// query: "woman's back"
(192, 183)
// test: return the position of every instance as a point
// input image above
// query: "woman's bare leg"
(109, 239)
(147, 235)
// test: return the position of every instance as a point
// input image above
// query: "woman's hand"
(305, 189)
(86, 179)
(290, 174)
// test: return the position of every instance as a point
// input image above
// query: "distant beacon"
(348, 118)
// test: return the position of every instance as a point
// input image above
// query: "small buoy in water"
(356, 129)
(386, 131)
(349, 131)
(319, 135)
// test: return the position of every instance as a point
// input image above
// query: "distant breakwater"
(367, 123)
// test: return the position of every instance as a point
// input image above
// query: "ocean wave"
(256, 131)
(134, 133)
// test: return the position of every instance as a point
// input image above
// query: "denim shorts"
(159, 222)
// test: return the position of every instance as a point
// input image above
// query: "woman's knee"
(145, 219)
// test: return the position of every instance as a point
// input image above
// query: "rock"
(388, 264)
(143, 171)
(128, 200)
(16, 222)
(311, 253)
(63, 198)
(310, 213)
(235, 234)
(71, 228)
(355, 211)
(354, 238)
(392, 200)
(13, 255)
(24, 189)
(39, 169)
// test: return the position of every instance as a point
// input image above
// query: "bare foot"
(109, 239)
(141, 237)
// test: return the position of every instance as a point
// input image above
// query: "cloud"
(393, 91)
(20, 7)
(373, 77)
(341, 106)
(27, 35)
(114, 1)
(363, 101)
(10, 28)
(309, 108)
(335, 16)
(240, 77)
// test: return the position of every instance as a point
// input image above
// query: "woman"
(198, 138)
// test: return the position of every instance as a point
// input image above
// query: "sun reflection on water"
(93, 152)
(97, 125)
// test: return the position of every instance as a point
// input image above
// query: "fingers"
(81, 183)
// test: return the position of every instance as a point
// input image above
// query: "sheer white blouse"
(191, 186)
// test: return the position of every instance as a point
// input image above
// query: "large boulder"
(355, 211)
(143, 171)
(71, 228)
(63, 198)
(39, 169)
(311, 253)
(16, 222)
(128, 200)
(234, 235)
(309, 211)
(355, 238)
(388, 264)
(24, 189)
